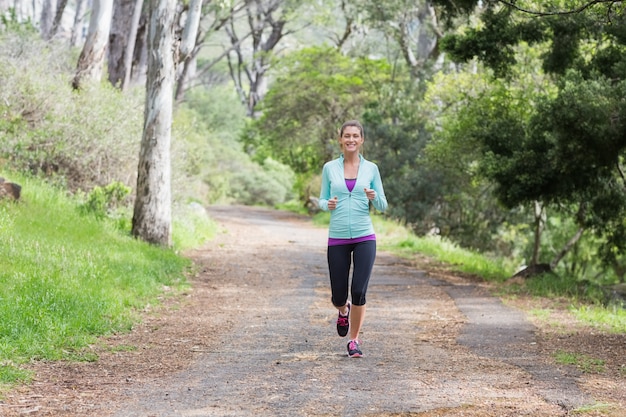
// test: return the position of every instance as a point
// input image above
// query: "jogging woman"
(349, 184)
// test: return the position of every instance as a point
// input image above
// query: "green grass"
(595, 407)
(67, 278)
(611, 319)
(191, 226)
(585, 300)
(585, 363)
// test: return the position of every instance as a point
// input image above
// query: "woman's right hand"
(332, 203)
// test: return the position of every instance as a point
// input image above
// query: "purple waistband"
(336, 242)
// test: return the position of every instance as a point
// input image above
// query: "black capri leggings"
(340, 258)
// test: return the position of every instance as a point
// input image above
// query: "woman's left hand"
(371, 194)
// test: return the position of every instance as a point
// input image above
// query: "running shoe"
(343, 323)
(354, 349)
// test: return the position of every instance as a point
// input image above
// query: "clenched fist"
(371, 194)
(332, 203)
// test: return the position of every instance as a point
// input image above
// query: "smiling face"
(351, 139)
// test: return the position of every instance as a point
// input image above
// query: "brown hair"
(354, 123)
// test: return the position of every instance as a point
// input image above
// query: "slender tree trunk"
(566, 248)
(77, 27)
(190, 31)
(152, 212)
(140, 53)
(132, 40)
(539, 224)
(119, 40)
(187, 50)
(56, 23)
(91, 60)
(47, 17)
(188, 66)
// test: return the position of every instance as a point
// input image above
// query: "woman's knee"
(358, 298)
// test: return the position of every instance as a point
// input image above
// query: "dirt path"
(255, 337)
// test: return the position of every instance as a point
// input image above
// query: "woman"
(349, 184)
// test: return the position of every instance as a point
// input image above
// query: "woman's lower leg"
(357, 315)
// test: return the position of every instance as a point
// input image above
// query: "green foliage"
(214, 167)
(579, 134)
(567, 154)
(315, 91)
(103, 200)
(558, 148)
(81, 140)
(191, 226)
(66, 279)
(10, 23)
(566, 36)
(459, 107)
(450, 9)
(492, 43)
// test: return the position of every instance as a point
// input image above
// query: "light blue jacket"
(351, 218)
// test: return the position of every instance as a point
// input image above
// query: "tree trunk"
(130, 48)
(91, 60)
(152, 212)
(120, 40)
(47, 17)
(139, 66)
(77, 31)
(574, 239)
(266, 31)
(187, 50)
(56, 23)
(191, 29)
(539, 224)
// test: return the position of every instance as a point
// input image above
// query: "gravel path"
(265, 343)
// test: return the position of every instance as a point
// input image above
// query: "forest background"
(498, 126)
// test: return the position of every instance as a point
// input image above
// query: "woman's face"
(351, 139)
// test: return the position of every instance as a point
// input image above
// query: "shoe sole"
(356, 355)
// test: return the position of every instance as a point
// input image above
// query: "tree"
(130, 47)
(122, 38)
(152, 211)
(91, 60)
(316, 90)
(76, 34)
(569, 153)
(248, 63)
(152, 220)
(56, 23)
(47, 17)
(412, 25)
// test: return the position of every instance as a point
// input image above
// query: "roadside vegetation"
(69, 275)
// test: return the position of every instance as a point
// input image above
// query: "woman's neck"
(352, 158)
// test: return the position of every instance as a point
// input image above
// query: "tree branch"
(563, 12)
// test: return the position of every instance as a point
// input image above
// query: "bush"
(80, 139)
(207, 148)
(102, 201)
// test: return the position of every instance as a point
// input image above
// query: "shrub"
(80, 139)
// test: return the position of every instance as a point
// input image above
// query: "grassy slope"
(67, 278)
